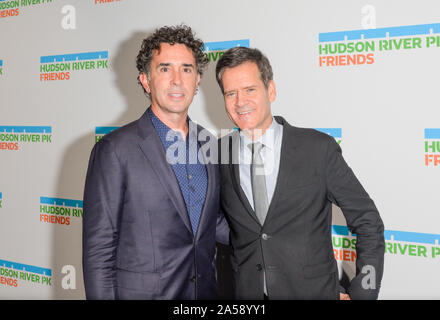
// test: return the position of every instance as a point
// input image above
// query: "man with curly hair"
(150, 222)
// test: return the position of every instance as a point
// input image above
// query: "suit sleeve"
(362, 218)
(103, 196)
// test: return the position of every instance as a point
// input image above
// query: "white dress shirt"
(270, 154)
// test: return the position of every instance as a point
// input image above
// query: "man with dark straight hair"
(150, 224)
(278, 186)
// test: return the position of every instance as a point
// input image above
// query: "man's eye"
(229, 94)
(187, 70)
(164, 69)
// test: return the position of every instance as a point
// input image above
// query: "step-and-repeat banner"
(365, 73)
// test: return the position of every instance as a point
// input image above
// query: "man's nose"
(240, 99)
(176, 78)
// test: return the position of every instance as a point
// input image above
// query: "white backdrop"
(383, 110)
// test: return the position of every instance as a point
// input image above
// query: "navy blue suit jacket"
(137, 237)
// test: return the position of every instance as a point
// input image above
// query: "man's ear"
(143, 78)
(271, 89)
(198, 79)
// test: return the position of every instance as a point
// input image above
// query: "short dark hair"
(239, 55)
(181, 34)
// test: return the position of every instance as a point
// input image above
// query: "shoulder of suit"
(122, 135)
(309, 134)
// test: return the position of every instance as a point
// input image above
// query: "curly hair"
(181, 34)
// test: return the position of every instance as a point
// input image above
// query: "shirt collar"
(161, 128)
(269, 137)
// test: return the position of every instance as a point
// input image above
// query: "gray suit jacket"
(294, 246)
(137, 237)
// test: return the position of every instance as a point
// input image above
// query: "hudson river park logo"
(402, 243)
(432, 147)
(12, 273)
(359, 47)
(215, 50)
(62, 66)
(60, 211)
(12, 8)
(12, 137)
(105, 1)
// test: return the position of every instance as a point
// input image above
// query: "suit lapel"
(210, 172)
(287, 161)
(153, 150)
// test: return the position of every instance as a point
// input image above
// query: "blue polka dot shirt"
(190, 173)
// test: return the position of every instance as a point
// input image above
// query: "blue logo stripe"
(1, 195)
(104, 130)
(75, 57)
(340, 230)
(61, 202)
(225, 45)
(25, 267)
(432, 133)
(380, 32)
(334, 132)
(1, 63)
(412, 236)
(26, 129)
(396, 235)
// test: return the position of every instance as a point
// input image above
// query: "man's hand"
(343, 296)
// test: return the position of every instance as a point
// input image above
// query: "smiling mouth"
(242, 113)
(176, 95)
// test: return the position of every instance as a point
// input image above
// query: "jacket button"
(264, 236)
(259, 267)
(193, 279)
